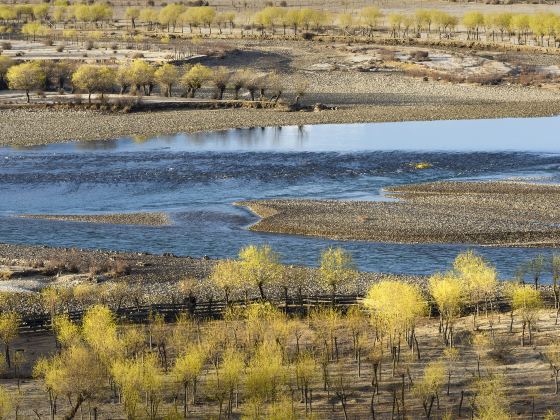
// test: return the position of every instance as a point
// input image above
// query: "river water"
(196, 178)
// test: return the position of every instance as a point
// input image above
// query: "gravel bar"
(484, 213)
(146, 219)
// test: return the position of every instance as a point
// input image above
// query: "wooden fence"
(215, 310)
(201, 310)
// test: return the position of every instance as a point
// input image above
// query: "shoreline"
(23, 128)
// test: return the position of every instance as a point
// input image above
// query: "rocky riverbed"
(485, 213)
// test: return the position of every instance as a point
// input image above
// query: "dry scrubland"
(487, 350)
(487, 213)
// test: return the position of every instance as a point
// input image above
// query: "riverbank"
(35, 127)
(146, 278)
(483, 213)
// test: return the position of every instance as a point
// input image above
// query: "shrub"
(137, 56)
(120, 268)
(88, 45)
(60, 48)
(5, 45)
(420, 55)
(308, 36)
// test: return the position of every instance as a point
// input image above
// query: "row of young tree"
(138, 77)
(261, 362)
(41, 19)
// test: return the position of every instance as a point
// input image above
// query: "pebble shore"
(485, 213)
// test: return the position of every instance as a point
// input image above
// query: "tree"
(555, 271)
(141, 75)
(187, 370)
(139, 379)
(74, 373)
(447, 291)
(231, 372)
(93, 78)
(148, 16)
(194, 78)
(67, 332)
(26, 76)
(429, 386)
(306, 373)
(395, 308)
(220, 79)
(33, 29)
(337, 268)
(99, 330)
(479, 279)
(259, 266)
(490, 399)
(473, 21)
(552, 356)
(535, 267)
(7, 403)
(370, 17)
(167, 75)
(521, 23)
(226, 275)
(40, 11)
(5, 63)
(169, 15)
(132, 13)
(265, 374)
(9, 331)
(526, 302)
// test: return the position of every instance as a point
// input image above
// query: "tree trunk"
(74, 410)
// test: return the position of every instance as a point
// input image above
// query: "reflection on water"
(197, 177)
(451, 136)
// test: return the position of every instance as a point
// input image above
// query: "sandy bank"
(485, 213)
(147, 219)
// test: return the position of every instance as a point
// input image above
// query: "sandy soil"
(527, 374)
(490, 213)
(148, 219)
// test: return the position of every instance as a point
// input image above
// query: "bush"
(136, 56)
(308, 36)
(60, 48)
(420, 55)
(88, 45)
(5, 45)
(121, 268)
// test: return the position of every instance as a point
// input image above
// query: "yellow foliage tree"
(26, 77)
